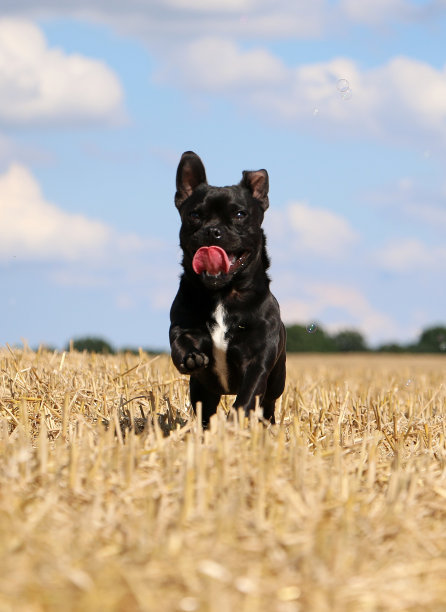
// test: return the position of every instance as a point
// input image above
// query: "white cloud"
(375, 12)
(217, 64)
(8, 149)
(312, 230)
(415, 202)
(430, 214)
(398, 101)
(411, 255)
(79, 276)
(33, 229)
(42, 84)
(352, 309)
(23, 153)
(212, 5)
(154, 21)
(271, 19)
(320, 230)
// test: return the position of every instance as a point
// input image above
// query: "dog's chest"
(218, 328)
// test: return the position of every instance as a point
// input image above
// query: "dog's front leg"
(189, 349)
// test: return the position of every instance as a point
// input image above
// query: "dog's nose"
(214, 232)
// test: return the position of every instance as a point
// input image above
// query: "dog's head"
(221, 233)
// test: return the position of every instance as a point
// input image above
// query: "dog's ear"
(258, 184)
(190, 174)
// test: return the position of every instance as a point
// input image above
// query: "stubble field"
(339, 507)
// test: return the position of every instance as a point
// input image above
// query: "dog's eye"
(194, 215)
(240, 214)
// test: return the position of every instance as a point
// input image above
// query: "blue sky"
(98, 100)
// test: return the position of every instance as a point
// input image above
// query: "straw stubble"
(114, 498)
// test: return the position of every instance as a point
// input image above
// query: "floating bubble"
(311, 328)
(343, 85)
(347, 94)
(409, 382)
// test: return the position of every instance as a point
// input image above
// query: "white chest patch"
(220, 344)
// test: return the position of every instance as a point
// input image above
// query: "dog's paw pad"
(194, 361)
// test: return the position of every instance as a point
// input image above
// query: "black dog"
(226, 330)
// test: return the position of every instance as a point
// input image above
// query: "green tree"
(310, 338)
(432, 340)
(91, 344)
(392, 347)
(349, 340)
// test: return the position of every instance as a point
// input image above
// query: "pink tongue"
(212, 260)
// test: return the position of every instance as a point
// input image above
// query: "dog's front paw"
(194, 361)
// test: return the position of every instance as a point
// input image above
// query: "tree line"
(313, 338)
(304, 338)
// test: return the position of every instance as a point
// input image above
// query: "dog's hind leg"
(209, 401)
(268, 406)
(274, 388)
